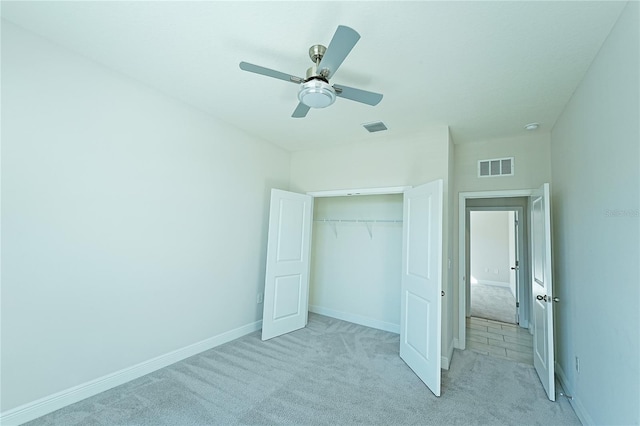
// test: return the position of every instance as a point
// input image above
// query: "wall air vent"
(376, 126)
(496, 167)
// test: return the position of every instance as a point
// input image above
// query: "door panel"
(286, 289)
(421, 304)
(542, 289)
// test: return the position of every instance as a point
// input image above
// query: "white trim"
(359, 191)
(356, 319)
(445, 361)
(48, 404)
(575, 402)
(462, 207)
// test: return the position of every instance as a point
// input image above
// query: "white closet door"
(421, 304)
(286, 289)
(542, 289)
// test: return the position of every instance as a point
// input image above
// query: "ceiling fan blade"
(269, 72)
(341, 44)
(300, 111)
(358, 95)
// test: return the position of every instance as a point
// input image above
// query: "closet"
(288, 265)
(356, 256)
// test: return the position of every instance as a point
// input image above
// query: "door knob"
(545, 298)
(513, 268)
(556, 299)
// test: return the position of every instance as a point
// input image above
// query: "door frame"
(462, 214)
(359, 191)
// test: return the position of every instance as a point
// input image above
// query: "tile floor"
(500, 339)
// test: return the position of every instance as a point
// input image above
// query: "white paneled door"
(421, 300)
(286, 290)
(542, 289)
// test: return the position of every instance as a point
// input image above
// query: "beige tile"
(520, 340)
(486, 334)
(506, 326)
(477, 327)
(511, 346)
(478, 339)
(494, 328)
(515, 332)
(520, 357)
(487, 349)
(498, 323)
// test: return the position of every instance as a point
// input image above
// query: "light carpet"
(330, 373)
(493, 302)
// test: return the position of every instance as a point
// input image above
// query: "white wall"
(386, 160)
(595, 202)
(532, 166)
(490, 247)
(132, 224)
(383, 161)
(355, 270)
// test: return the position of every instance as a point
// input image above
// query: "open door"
(542, 289)
(516, 263)
(421, 304)
(286, 288)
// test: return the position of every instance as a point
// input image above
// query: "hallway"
(500, 339)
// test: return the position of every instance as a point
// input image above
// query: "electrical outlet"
(577, 365)
(260, 298)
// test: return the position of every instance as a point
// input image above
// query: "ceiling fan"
(315, 90)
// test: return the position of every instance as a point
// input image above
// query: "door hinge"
(517, 304)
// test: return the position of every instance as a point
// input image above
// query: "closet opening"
(356, 257)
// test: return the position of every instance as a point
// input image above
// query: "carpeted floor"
(331, 372)
(493, 302)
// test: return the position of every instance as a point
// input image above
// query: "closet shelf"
(367, 222)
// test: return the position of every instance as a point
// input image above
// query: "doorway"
(356, 256)
(512, 200)
(286, 295)
(494, 262)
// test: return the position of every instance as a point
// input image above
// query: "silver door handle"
(547, 299)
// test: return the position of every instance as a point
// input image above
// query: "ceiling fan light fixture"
(316, 94)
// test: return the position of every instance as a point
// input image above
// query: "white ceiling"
(483, 68)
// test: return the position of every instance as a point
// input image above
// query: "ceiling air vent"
(495, 167)
(376, 126)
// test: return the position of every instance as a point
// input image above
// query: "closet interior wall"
(356, 259)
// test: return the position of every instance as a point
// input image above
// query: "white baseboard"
(456, 343)
(48, 404)
(575, 402)
(356, 319)
(446, 361)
